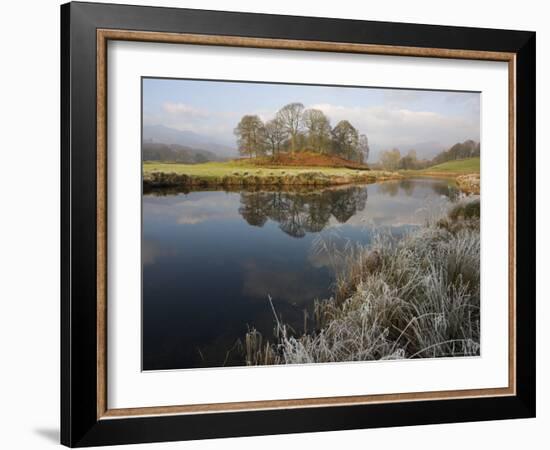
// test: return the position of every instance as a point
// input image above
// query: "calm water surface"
(211, 259)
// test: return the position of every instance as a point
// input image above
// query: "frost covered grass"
(412, 297)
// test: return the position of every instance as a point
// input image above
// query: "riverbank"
(239, 173)
(465, 172)
(416, 297)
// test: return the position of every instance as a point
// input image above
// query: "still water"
(211, 259)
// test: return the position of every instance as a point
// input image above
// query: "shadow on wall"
(49, 434)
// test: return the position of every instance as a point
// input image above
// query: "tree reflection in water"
(301, 212)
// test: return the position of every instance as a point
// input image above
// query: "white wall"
(29, 223)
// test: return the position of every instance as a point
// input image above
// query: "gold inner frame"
(103, 36)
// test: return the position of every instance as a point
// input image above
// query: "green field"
(459, 167)
(470, 165)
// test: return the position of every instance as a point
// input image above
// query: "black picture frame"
(80, 425)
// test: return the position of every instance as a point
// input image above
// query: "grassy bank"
(459, 167)
(449, 168)
(464, 171)
(415, 297)
(247, 173)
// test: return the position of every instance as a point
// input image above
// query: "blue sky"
(424, 120)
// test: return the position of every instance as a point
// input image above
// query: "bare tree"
(363, 148)
(318, 129)
(390, 159)
(250, 135)
(291, 117)
(275, 135)
(345, 139)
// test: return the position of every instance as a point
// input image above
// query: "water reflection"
(407, 186)
(448, 190)
(299, 212)
(211, 258)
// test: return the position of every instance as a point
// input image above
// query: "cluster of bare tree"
(392, 159)
(295, 128)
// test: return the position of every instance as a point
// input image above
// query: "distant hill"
(153, 151)
(171, 136)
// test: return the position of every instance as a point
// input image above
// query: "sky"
(427, 121)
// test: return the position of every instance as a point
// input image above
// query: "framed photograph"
(276, 224)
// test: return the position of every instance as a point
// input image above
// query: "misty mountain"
(154, 151)
(171, 136)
